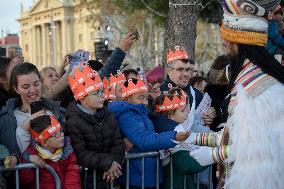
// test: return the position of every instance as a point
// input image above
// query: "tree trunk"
(181, 25)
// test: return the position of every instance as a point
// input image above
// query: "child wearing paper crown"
(172, 111)
(49, 142)
(93, 130)
(133, 121)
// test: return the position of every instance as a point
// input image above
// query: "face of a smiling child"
(138, 98)
(180, 114)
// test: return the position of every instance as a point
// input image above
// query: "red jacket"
(67, 169)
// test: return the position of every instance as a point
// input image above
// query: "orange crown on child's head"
(133, 88)
(84, 82)
(109, 91)
(179, 54)
(114, 80)
(173, 104)
(48, 132)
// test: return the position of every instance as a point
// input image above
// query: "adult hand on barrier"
(10, 161)
(38, 161)
(182, 136)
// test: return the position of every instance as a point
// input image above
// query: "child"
(94, 133)
(131, 114)
(49, 143)
(172, 109)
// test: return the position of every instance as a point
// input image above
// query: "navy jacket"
(138, 128)
(275, 40)
(8, 122)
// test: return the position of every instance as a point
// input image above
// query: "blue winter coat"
(138, 128)
(275, 40)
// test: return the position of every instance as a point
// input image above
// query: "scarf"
(46, 154)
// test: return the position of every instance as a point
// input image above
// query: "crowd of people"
(90, 114)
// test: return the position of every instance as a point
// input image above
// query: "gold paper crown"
(84, 82)
(133, 88)
(169, 104)
(179, 54)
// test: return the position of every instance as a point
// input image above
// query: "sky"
(9, 12)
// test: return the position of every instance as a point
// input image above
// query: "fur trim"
(256, 130)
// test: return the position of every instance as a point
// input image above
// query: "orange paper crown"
(48, 132)
(179, 54)
(111, 83)
(169, 104)
(133, 88)
(84, 82)
(119, 79)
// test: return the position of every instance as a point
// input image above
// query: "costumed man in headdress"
(251, 147)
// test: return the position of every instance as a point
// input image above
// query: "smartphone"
(36, 106)
(18, 51)
(135, 34)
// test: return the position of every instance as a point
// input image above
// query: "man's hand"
(113, 173)
(182, 136)
(209, 116)
(38, 161)
(126, 42)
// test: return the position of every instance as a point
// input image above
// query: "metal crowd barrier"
(32, 166)
(155, 154)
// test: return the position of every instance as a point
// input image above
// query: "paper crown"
(84, 82)
(133, 88)
(48, 132)
(118, 79)
(244, 22)
(111, 83)
(179, 54)
(173, 104)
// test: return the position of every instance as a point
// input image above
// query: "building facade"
(51, 29)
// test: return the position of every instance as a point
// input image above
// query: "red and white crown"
(179, 54)
(111, 83)
(84, 82)
(169, 104)
(133, 88)
(48, 132)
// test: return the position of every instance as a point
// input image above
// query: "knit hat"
(244, 21)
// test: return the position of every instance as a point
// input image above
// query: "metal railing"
(32, 166)
(144, 155)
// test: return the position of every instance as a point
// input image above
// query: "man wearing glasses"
(180, 69)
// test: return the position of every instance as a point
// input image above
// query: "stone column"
(86, 36)
(44, 45)
(64, 35)
(33, 55)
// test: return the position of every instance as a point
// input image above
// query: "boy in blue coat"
(133, 121)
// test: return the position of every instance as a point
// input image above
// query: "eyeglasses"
(182, 70)
(99, 93)
(58, 133)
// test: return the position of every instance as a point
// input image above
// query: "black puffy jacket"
(95, 138)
